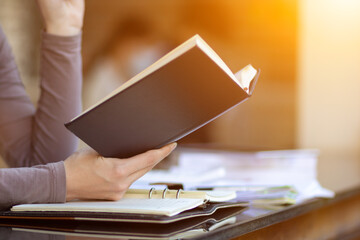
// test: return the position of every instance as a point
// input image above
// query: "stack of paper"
(286, 176)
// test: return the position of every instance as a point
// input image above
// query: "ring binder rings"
(151, 191)
(163, 196)
(164, 193)
(178, 193)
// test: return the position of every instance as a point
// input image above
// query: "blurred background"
(308, 94)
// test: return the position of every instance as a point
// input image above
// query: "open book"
(181, 92)
(153, 202)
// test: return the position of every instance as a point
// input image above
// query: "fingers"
(89, 176)
(119, 188)
(123, 186)
(129, 170)
(148, 159)
(136, 175)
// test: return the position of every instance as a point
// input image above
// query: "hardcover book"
(184, 90)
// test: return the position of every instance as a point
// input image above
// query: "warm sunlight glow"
(329, 82)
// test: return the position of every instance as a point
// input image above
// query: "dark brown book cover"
(163, 106)
(206, 210)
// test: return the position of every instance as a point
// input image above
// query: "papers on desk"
(188, 177)
(254, 175)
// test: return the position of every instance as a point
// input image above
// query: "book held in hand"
(184, 90)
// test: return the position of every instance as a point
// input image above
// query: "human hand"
(62, 17)
(90, 176)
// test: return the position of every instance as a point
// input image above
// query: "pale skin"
(88, 175)
(62, 17)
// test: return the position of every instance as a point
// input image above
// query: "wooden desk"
(337, 218)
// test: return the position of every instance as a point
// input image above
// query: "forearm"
(15, 107)
(14, 102)
(39, 184)
(28, 140)
(60, 100)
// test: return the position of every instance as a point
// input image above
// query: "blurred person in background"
(132, 47)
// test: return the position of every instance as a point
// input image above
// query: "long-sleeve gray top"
(34, 141)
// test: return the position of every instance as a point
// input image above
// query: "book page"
(168, 207)
(220, 196)
(243, 79)
(245, 76)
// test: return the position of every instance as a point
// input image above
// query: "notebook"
(136, 201)
(190, 227)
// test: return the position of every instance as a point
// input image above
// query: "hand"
(90, 176)
(62, 17)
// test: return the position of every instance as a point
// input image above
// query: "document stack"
(263, 177)
(140, 214)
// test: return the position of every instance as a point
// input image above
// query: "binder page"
(168, 207)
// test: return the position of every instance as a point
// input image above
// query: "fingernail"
(173, 146)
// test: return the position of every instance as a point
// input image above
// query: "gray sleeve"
(30, 136)
(38, 184)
